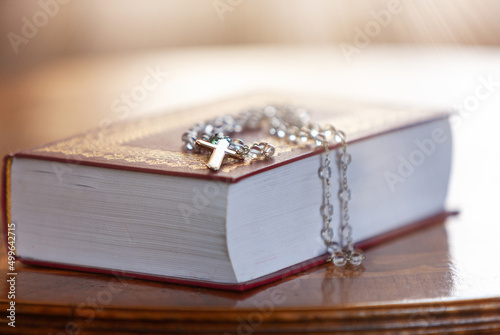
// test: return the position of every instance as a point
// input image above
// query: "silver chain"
(293, 125)
(343, 252)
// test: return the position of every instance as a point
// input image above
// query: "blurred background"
(69, 65)
(74, 27)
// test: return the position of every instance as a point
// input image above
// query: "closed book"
(127, 199)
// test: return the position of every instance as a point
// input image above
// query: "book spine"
(6, 174)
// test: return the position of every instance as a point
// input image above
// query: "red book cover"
(153, 144)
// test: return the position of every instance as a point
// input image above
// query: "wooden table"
(444, 279)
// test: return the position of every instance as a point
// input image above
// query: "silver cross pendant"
(220, 150)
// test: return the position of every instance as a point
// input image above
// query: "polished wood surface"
(444, 279)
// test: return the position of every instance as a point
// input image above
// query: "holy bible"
(127, 199)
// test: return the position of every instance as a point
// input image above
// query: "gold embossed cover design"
(153, 144)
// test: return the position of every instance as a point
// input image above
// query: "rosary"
(293, 125)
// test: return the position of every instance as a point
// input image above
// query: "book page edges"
(254, 283)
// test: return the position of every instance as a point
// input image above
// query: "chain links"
(343, 252)
(294, 126)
